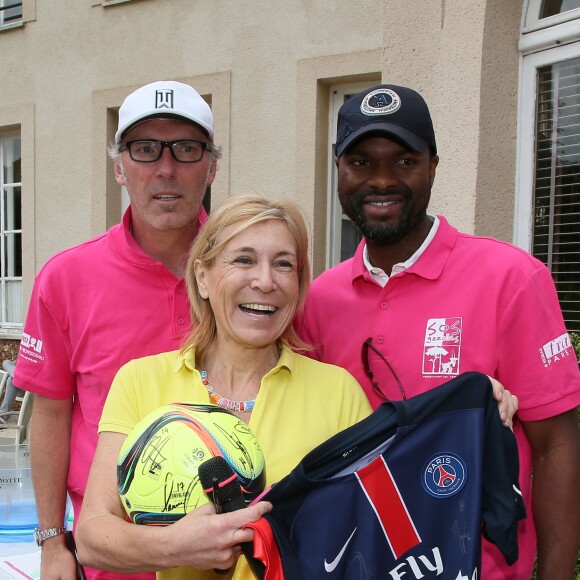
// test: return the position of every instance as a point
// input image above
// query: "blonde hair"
(243, 211)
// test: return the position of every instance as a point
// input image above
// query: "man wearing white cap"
(114, 298)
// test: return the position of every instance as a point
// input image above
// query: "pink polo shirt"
(93, 308)
(467, 304)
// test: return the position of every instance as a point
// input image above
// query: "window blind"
(10, 11)
(556, 227)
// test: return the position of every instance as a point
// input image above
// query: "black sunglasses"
(364, 353)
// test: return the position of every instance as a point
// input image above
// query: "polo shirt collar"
(427, 262)
(186, 359)
(381, 276)
(134, 248)
(126, 245)
(287, 361)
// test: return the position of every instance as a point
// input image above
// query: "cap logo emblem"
(380, 102)
(164, 99)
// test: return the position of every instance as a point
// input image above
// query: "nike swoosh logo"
(329, 567)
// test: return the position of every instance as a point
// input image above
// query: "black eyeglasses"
(364, 353)
(150, 150)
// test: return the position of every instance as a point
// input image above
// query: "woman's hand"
(209, 541)
(201, 539)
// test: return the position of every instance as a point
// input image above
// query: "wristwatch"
(40, 536)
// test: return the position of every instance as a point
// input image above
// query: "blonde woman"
(247, 275)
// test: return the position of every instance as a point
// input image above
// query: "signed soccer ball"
(158, 462)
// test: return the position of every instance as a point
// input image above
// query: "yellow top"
(301, 403)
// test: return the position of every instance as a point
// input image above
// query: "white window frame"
(334, 215)
(106, 3)
(531, 21)
(4, 239)
(543, 42)
(125, 200)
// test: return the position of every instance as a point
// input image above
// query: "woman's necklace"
(217, 399)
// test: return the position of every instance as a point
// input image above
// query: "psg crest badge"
(444, 475)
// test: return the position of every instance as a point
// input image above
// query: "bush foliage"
(575, 338)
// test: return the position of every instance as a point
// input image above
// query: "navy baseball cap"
(398, 112)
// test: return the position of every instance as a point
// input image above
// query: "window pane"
(342, 236)
(11, 161)
(10, 231)
(349, 239)
(207, 200)
(556, 230)
(12, 208)
(350, 234)
(14, 301)
(12, 255)
(553, 7)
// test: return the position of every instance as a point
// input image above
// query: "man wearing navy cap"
(114, 298)
(421, 302)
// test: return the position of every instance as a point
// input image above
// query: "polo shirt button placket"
(180, 305)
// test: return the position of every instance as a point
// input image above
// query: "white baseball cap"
(164, 99)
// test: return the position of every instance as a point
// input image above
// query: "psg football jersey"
(404, 494)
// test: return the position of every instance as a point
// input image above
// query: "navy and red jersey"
(404, 494)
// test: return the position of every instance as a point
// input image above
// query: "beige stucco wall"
(267, 66)
(462, 56)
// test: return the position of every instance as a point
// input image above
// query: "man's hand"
(56, 562)
(507, 403)
(556, 504)
(49, 457)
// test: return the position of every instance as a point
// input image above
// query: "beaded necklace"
(217, 399)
